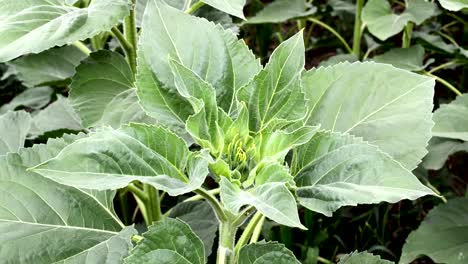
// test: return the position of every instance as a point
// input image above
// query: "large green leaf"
(168, 241)
(274, 200)
(275, 94)
(215, 54)
(383, 23)
(103, 93)
(410, 59)
(111, 159)
(199, 215)
(451, 120)
(266, 253)
(232, 7)
(14, 127)
(440, 149)
(454, 5)
(42, 221)
(362, 258)
(35, 26)
(387, 107)
(33, 98)
(334, 170)
(48, 67)
(443, 235)
(282, 10)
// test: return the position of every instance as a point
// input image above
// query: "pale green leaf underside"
(383, 23)
(33, 98)
(168, 241)
(386, 106)
(232, 7)
(280, 11)
(410, 59)
(266, 253)
(14, 127)
(111, 159)
(47, 67)
(440, 149)
(451, 120)
(454, 5)
(274, 200)
(33, 26)
(443, 235)
(335, 170)
(362, 258)
(103, 93)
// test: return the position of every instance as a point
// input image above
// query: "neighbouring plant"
(189, 101)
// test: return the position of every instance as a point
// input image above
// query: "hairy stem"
(327, 27)
(444, 82)
(407, 32)
(217, 207)
(154, 204)
(127, 47)
(227, 234)
(257, 230)
(357, 29)
(247, 232)
(131, 36)
(194, 7)
(444, 65)
(82, 47)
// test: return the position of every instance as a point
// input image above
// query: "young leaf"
(454, 5)
(103, 93)
(281, 11)
(33, 98)
(275, 94)
(362, 258)
(383, 23)
(232, 7)
(166, 242)
(266, 253)
(35, 26)
(334, 170)
(443, 235)
(111, 159)
(387, 107)
(451, 120)
(410, 59)
(48, 67)
(274, 200)
(14, 127)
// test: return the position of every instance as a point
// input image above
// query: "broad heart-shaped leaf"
(215, 54)
(362, 258)
(410, 59)
(383, 23)
(48, 67)
(274, 200)
(35, 26)
(386, 106)
(440, 149)
(454, 5)
(232, 7)
(451, 120)
(199, 215)
(32, 98)
(443, 235)
(335, 170)
(266, 253)
(276, 92)
(282, 10)
(111, 159)
(14, 127)
(103, 93)
(42, 221)
(168, 241)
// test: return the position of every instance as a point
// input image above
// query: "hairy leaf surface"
(282, 10)
(265, 253)
(33, 98)
(14, 126)
(451, 120)
(362, 258)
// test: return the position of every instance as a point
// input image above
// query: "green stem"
(227, 234)
(444, 65)
(408, 31)
(247, 232)
(137, 238)
(138, 192)
(449, 38)
(131, 36)
(357, 29)
(301, 24)
(194, 7)
(324, 260)
(327, 27)
(153, 203)
(199, 197)
(444, 82)
(127, 47)
(82, 47)
(217, 207)
(257, 230)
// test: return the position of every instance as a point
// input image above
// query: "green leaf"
(166, 242)
(451, 120)
(275, 94)
(266, 253)
(14, 127)
(215, 55)
(337, 59)
(33, 98)
(383, 23)
(435, 41)
(268, 172)
(281, 11)
(35, 26)
(37, 212)
(111, 159)
(103, 93)
(410, 59)
(439, 150)
(387, 107)
(48, 67)
(362, 258)
(232, 7)
(454, 5)
(274, 200)
(202, 220)
(335, 170)
(443, 235)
